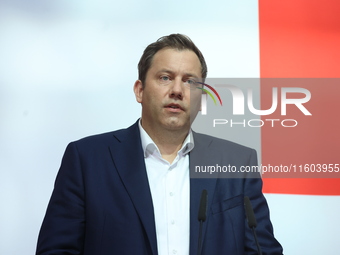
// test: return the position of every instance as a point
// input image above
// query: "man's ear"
(138, 89)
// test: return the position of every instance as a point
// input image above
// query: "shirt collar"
(149, 147)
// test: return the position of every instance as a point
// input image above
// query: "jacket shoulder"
(219, 142)
(108, 138)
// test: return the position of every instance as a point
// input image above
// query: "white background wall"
(66, 71)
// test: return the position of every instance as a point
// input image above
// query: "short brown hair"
(173, 41)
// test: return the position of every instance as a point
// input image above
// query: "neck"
(169, 142)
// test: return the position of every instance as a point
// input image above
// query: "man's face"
(165, 97)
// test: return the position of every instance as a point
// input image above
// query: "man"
(130, 191)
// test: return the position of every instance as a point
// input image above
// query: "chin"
(176, 124)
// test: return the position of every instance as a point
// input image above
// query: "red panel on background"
(301, 38)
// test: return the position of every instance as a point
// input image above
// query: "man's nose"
(177, 89)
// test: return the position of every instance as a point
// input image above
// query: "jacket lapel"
(201, 155)
(127, 154)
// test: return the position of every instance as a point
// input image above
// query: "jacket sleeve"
(264, 230)
(62, 230)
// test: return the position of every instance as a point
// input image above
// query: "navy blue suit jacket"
(102, 205)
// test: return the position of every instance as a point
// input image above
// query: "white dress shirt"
(170, 191)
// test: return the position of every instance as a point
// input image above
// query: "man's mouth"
(174, 106)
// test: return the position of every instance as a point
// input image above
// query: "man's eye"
(164, 78)
(191, 82)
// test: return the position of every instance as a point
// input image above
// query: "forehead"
(176, 61)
